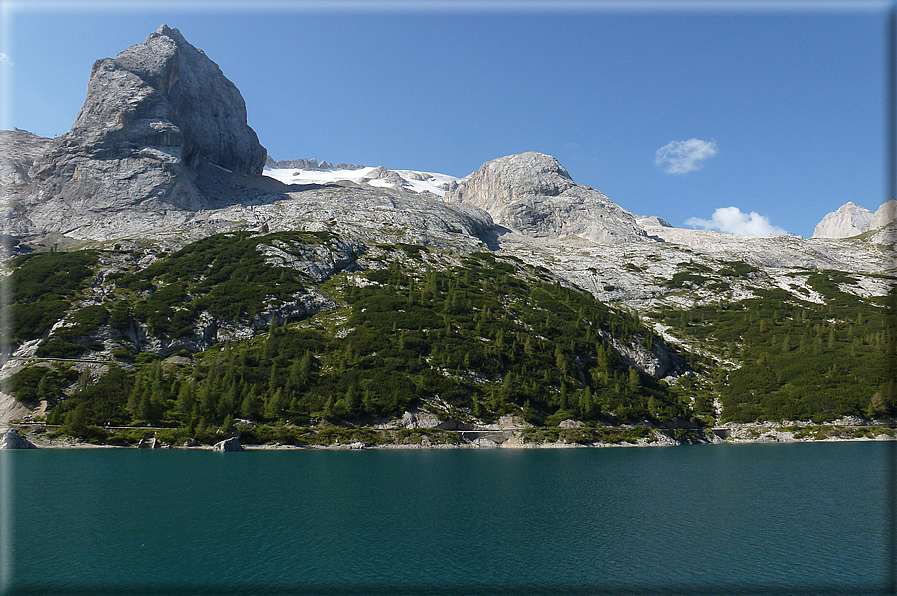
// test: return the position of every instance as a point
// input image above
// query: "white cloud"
(733, 221)
(681, 157)
(5, 59)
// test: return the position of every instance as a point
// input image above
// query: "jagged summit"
(533, 194)
(184, 100)
(154, 118)
(308, 164)
(161, 149)
(849, 220)
(852, 220)
(653, 220)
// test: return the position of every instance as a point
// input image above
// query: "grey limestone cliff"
(154, 116)
(849, 220)
(533, 194)
(19, 149)
(885, 215)
(853, 220)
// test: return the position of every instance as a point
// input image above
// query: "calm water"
(741, 519)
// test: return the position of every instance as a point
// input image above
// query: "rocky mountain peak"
(158, 119)
(526, 174)
(849, 220)
(165, 92)
(534, 194)
(885, 215)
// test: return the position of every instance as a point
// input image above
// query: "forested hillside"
(486, 336)
(784, 358)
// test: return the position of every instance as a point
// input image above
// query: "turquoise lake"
(706, 519)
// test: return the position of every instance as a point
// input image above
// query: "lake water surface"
(728, 519)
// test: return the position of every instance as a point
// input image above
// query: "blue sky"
(778, 112)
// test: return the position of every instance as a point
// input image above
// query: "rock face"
(885, 215)
(13, 440)
(533, 194)
(154, 116)
(657, 362)
(18, 151)
(231, 444)
(849, 220)
(653, 220)
(182, 99)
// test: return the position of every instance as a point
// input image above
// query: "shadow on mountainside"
(221, 188)
(492, 238)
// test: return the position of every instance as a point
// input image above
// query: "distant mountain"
(852, 220)
(653, 220)
(308, 164)
(849, 220)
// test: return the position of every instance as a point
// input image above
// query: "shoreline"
(434, 438)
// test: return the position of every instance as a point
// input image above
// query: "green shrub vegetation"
(59, 348)
(43, 286)
(736, 269)
(798, 360)
(35, 383)
(488, 337)
(224, 274)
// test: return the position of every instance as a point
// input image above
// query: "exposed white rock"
(19, 150)
(11, 439)
(231, 444)
(484, 443)
(149, 443)
(533, 194)
(849, 220)
(884, 224)
(884, 215)
(653, 220)
(658, 362)
(419, 418)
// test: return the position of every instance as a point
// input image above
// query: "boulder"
(231, 444)
(11, 439)
(660, 361)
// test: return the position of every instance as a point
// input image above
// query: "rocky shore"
(572, 435)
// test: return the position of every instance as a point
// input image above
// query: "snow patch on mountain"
(408, 180)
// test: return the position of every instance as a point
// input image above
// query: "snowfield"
(409, 180)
